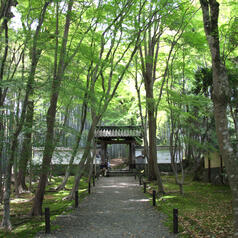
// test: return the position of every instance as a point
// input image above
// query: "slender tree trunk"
(6, 216)
(30, 174)
(76, 145)
(149, 83)
(91, 158)
(149, 59)
(90, 170)
(1, 155)
(221, 94)
(26, 151)
(2, 130)
(70, 165)
(5, 16)
(78, 175)
(47, 154)
(7, 193)
(174, 162)
(152, 146)
(67, 174)
(154, 172)
(234, 114)
(6, 223)
(81, 165)
(174, 140)
(15, 168)
(143, 118)
(153, 150)
(146, 144)
(4, 11)
(49, 139)
(152, 127)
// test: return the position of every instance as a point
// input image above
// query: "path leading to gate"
(116, 208)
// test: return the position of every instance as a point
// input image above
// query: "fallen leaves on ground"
(214, 221)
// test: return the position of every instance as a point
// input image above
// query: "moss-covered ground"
(26, 226)
(205, 210)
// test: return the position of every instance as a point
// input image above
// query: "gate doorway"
(118, 135)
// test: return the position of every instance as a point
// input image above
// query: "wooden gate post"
(103, 152)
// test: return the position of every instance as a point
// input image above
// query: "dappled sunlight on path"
(116, 208)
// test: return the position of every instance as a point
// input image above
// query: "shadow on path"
(116, 208)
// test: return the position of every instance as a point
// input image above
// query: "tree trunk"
(153, 152)
(229, 157)
(6, 198)
(76, 145)
(49, 139)
(234, 115)
(70, 165)
(174, 139)
(30, 174)
(149, 59)
(221, 94)
(15, 168)
(198, 169)
(5, 10)
(66, 176)
(6, 223)
(143, 119)
(148, 81)
(48, 152)
(5, 16)
(90, 173)
(154, 172)
(6, 216)
(26, 151)
(152, 146)
(81, 165)
(1, 154)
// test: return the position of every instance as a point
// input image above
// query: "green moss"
(204, 209)
(26, 226)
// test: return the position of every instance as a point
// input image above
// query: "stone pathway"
(116, 208)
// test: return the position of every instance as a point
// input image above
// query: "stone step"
(118, 173)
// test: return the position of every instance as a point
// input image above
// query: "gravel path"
(116, 208)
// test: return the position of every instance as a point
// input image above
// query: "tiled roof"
(118, 131)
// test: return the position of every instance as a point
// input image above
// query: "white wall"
(60, 156)
(163, 155)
